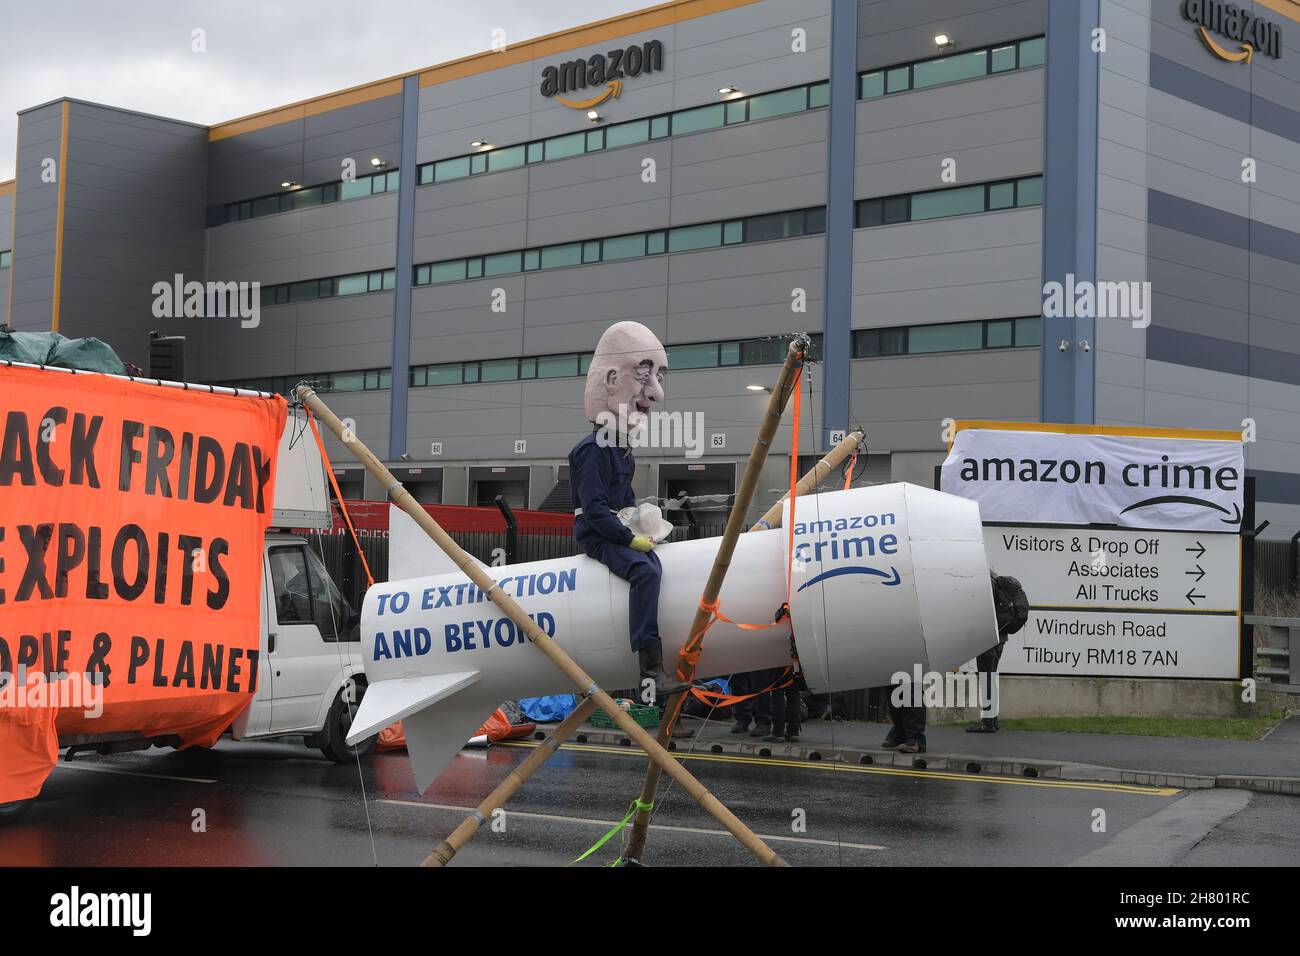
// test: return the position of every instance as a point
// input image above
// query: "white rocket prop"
(884, 578)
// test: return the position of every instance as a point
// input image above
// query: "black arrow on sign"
(1199, 554)
(1199, 572)
(1192, 594)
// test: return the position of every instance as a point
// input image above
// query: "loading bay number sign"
(1122, 603)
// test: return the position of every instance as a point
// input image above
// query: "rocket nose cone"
(888, 579)
(954, 596)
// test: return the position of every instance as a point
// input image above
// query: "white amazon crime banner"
(1139, 482)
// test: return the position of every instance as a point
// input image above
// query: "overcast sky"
(137, 53)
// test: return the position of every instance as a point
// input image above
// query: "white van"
(310, 677)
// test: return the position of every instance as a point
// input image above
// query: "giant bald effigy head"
(626, 377)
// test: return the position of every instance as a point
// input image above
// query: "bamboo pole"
(834, 458)
(577, 676)
(508, 787)
(776, 403)
(520, 775)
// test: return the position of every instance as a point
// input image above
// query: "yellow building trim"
(1288, 8)
(8, 187)
(666, 14)
(1119, 431)
(58, 219)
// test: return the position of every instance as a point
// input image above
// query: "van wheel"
(337, 724)
(12, 812)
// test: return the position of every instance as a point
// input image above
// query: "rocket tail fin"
(388, 701)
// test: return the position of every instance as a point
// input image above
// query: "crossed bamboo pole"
(520, 774)
(658, 754)
(785, 386)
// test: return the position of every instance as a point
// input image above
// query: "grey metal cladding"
(1198, 219)
(993, 127)
(896, 31)
(308, 150)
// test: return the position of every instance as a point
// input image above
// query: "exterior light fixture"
(479, 143)
(758, 388)
(727, 90)
(942, 41)
(289, 184)
(593, 115)
(377, 162)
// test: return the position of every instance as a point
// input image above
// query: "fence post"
(512, 528)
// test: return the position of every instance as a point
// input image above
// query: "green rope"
(636, 805)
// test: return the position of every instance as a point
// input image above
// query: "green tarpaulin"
(51, 348)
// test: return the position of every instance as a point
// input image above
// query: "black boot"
(651, 658)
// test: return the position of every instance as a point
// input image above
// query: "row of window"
(768, 351)
(361, 380)
(867, 343)
(6, 258)
(915, 75)
(953, 201)
(707, 235)
(948, 337)
(354, 284)
(714, 116)
(369, 185)
(966, 65)
(909, 207)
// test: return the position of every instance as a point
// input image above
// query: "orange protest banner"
(131, 527)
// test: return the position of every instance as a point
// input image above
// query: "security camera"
(1085, 346)
(1065, 345)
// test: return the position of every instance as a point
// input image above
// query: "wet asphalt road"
(281, 804)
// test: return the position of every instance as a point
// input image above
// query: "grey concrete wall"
(896, 31)
(134, 216)
(34, 224)
(309, 150)
(903, 401)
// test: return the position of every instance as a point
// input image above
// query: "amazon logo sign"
(1180, 480)
(600, 73)
(1251, 33)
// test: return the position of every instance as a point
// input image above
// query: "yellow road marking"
(887, 771)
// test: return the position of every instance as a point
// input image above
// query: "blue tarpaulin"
(548, 709)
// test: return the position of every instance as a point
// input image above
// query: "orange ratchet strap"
(329, 470)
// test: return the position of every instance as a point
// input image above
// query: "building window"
(304, 198)
(948, 337)
(746, 109)
(708, 235)
(380, 280)
(766, 351)
(6, 258)
(953, 68)
(953, 201)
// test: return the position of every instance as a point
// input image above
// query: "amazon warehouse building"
(902, 179)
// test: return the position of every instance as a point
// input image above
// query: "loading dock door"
(424, 483)
(716, 483)
(511, 482)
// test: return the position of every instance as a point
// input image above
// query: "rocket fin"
(436, 734)
(388, 701)
(411, 552)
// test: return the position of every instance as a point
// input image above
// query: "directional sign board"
(1109, 602)
(1141, 570)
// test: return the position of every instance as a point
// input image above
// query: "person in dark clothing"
(785, 711)
(756, 710)
(625, 379)
(908, 733)
(1012, 607)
